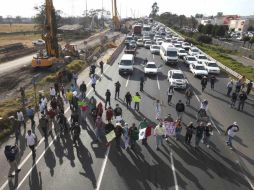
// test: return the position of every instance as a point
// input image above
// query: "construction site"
(32, 57)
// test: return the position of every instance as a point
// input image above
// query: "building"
(241, 25)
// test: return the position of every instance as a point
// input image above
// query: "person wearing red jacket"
(109, 114)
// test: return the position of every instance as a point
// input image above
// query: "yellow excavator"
(115, 17)
(49, 56)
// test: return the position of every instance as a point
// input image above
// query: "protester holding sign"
(142, 131)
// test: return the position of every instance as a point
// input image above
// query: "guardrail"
(118, 50)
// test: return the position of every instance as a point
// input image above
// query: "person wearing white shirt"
(159, 132)
(52, 92)
(230, 132)
(31, 141)
(20, 118)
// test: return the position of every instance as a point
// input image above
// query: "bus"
(168, 53)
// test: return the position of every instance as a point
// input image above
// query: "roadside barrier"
(117, 51)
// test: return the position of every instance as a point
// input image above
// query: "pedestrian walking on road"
(230, 86)
(31, 142)
(118, 133)
(101, 66)
(117, 89)
(230, 132)
(212, 81)
(76, 130)
(133, 135)
(128, 98)
(99, 109)
(143, 125)
(16, 126)
(21, 118)
(126, 136)
(238, 86)
(11, 156)
(62, 89)
(83, 89)
(204, 83)
(189, 133)
(30, 115)
(99, 125)
(23, 95)
(207, 134)
(57, 89)
(178, 129)
(142, 81)
(69, 95)
(170, 93)
(136, 99)
(249, 87)
(180, 108)
(75, 77)
(233, 99)
(44, 124)
(52, 92)
(242, 98)
(109, 114)
(159, 132)
(118, 113)
(199, 134)
(107, 100)
(92, 104)
(93, 82)
(188, 95)
(157, 109)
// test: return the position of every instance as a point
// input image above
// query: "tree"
(200, 27)
(40, 17)
(10, 21)
(1, 19)
(193, 22)
(155, 10)
(18, 19)
(208, 29)
(251, 42)
(245, 39)
(198, 15)
(219, 14)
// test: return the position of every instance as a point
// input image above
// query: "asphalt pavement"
(92, 165)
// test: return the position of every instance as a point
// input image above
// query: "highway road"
(177, 166)
(25, 61)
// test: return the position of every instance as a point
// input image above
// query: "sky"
(132, 8)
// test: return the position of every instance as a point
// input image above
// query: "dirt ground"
(17, 27)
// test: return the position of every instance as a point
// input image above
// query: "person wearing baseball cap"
(230, 132)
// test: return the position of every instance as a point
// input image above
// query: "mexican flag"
(142, 134)
(83, 105)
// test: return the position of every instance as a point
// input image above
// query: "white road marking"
(127, 82)
(197, 96)
(153, 56)
(98, 185)
(29, 155)
(214, 125)
(173, 170)
(158, 82)
(247, 179)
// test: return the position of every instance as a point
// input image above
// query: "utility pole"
(86, 8)
(102, 19)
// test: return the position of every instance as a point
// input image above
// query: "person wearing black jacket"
(242, 98)
(117, 89)
(212, 81)
(128, 98)
(107, 94)
(180, 109)
(83, 89)
(204, 83)
(199, 134)
(142, 84)
(189, 132)
(75, 133)
(74, 117)
(10, 154)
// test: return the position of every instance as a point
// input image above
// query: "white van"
(126, 63)
(168, 53)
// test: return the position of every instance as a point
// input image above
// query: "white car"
(39, 42)
(194, 51)
(140, 43)
(186, 46)
(201, 58)
(188, 60)
(198, 70)
(176, 79)
(155, 49)
(146, 38)
(156, 36)
(181, 53)
(159, 42)
(150, 68)
(177, 45)
(211, 67)
(147, 44)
